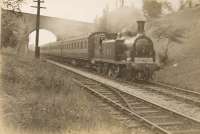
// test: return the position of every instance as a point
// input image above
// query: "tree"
(14, 5)
(14, 31)
(188, 3)
(102, 22)
(167, 6)
(152, 8)
(14, 26)
(171, 35)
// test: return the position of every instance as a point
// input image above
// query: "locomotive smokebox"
(141, 24)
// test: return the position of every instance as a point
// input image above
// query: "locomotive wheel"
(113, 71)
(99, 68)
(105, 69)
(126, 73)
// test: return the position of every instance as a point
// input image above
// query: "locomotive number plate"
(143, 60)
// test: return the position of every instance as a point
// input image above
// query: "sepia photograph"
(100, 67)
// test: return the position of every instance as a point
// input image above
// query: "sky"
(45, 37)
(82, 10)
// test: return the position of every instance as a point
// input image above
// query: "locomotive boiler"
(130, 57)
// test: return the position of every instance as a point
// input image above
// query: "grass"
(182, 68)
(38, 98)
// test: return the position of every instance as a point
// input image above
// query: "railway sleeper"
(146, 111)
(162, 124)
(132, 124)
(182, 127)
(192, 131)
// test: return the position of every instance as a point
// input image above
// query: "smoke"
(124, 19)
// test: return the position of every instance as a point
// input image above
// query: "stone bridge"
(22, 24)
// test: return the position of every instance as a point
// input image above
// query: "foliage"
(167, 6)
(14, 30)
(152, 8)
(171, 35)
(118, 20)
(14, 5)
(102, 23)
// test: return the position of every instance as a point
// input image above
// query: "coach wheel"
(139, 76)
(74, 62)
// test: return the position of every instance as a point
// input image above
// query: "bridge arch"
(46, 36)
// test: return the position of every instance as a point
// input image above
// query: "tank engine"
(131, 57)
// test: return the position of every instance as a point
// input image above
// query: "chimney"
(141, 26)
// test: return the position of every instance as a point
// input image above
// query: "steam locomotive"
(132, 58)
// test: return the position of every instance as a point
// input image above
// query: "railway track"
(181, 94)
(173, 92)
(186, 95)
(131, 108)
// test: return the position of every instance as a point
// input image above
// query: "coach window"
(87, 43)
(79, 44)
(83, 44)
